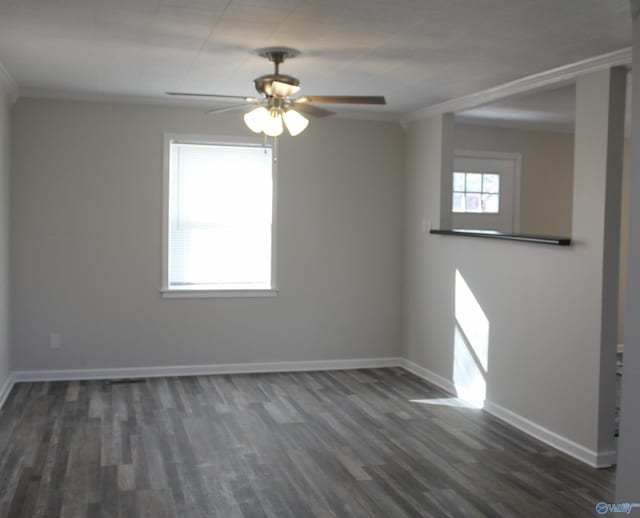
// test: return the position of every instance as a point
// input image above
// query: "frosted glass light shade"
(271, 121)
(283, 89)
(256, 119)
(272, 126)
(295, 122)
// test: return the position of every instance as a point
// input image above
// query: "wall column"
(597, 187)
(628, 476)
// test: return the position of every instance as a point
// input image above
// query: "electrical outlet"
(55, 340)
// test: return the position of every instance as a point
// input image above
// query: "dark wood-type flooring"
(329, 444)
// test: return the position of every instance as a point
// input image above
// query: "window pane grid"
(476, 193)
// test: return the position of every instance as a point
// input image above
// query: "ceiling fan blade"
(343, 99)
(226, 109)
(308, 109)
(188, 94)
(280, 89)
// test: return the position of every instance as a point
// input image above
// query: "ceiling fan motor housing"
(276, 55)
(263, 83)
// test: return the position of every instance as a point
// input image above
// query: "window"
(218, 217)
(476, 192)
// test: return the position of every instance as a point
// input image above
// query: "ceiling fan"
(276, 106)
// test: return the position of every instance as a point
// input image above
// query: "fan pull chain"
(274, 147)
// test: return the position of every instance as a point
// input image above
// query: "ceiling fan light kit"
(295, 122)
(271, 122)
(277, 109)
(255, 119)
(261, 120)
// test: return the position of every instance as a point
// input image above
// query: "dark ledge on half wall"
(492, 234)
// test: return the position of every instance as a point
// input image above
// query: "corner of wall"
(9, 84)
(446, 168)
(6, 380)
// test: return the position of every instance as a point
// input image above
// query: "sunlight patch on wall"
(471, 345)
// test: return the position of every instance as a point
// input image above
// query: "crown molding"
(526, 84)
(11, 85)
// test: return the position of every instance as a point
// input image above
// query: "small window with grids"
(476, 193)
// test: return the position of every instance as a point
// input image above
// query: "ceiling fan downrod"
(277, 55)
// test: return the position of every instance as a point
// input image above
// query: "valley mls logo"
(604, 508)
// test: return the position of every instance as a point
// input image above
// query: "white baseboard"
(595, 459)
(431, 377)
(6, 388)
(203, 370)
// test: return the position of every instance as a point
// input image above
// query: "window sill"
(492, 234)
(218, 294)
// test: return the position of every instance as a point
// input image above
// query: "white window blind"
(220, 217)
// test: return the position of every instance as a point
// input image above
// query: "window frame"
(481, 192)
(193, 293)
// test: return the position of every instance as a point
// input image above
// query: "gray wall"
(546, 172)
(628, 473)
(547, 177)
(624, 238)
(543, 303)
(5, 360)
(86, 248)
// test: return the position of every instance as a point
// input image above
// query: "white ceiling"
(415, 52)
(549, 110)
